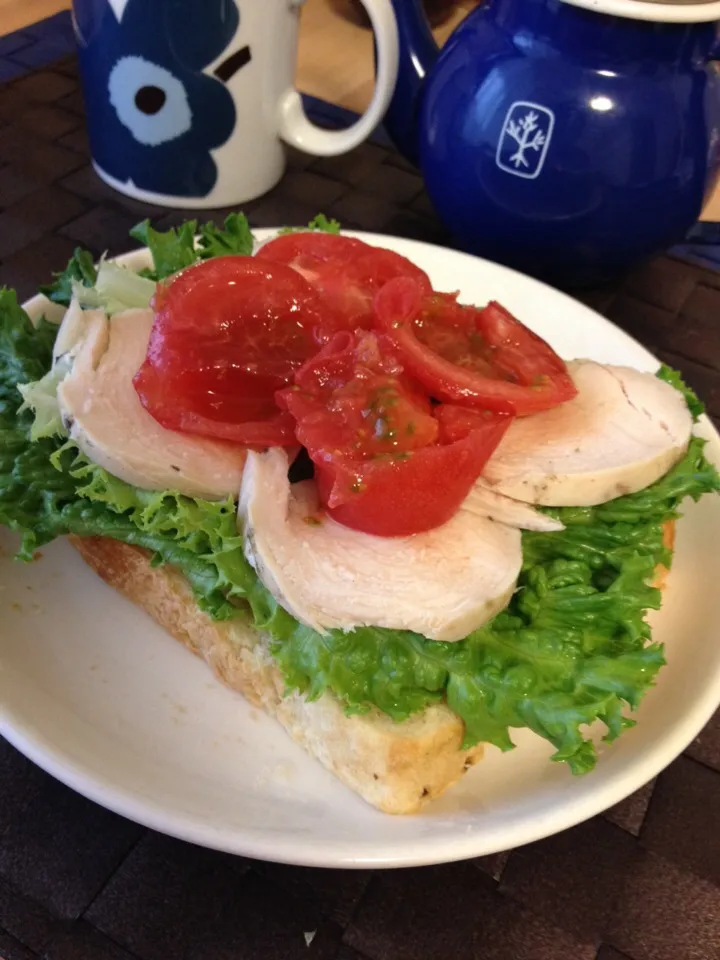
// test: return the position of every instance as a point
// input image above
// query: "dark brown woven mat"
(79, 883)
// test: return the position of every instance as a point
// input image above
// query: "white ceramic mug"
(188, 102)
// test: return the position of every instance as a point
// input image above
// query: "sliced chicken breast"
(442, 584)
(623, 431)
(483, 501)
(105, 418)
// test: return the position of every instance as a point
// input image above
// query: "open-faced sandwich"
(400, 523)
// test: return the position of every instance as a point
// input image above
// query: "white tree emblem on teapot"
(525, 139)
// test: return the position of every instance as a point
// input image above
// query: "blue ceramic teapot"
(566, 138)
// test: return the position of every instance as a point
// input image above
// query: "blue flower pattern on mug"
(156, 111)
(153, 115)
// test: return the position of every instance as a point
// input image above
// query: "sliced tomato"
(265, 426)
(311, 252)
(476, 357)
(228, 333)
(348, 290)
(351, 399)
(346, 271)
(372, 435)
(456, 422)
(407, 493)
(372, 268)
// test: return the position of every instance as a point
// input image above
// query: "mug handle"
(298, 131)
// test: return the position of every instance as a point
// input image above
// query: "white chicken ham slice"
(483, 501)
(623, 431)
(442, 584)
(105, 418)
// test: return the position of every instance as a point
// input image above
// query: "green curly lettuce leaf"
(116, 288)
(171, 250)
(40, 398)
(572, 647)
(175, 249)
(695, 405)
(320, 223)
(233, 238)
(25, 350)
(79, 270)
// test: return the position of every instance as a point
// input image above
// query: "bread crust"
(396, 767)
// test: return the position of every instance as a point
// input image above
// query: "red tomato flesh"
(328, 342)
(478, 357)
(352, 398)
(347, 272)
(456, 422)
(401, 496)
(372, 436)
(310, 253)
(227, 334)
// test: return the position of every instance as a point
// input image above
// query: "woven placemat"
(79, 883)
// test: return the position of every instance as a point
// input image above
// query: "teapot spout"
(418, 53)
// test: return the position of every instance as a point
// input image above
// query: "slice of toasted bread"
(397, 767)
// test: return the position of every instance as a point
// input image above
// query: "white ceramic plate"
(105, 701)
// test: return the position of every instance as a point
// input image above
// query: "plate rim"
(633, 773)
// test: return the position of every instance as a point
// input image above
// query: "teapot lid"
(661, 11)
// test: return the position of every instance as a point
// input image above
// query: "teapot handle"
(298, 131)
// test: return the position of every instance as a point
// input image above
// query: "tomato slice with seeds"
(477, 357)
(352, 398)
(346, 271)
(372, 435)
(228, 333)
